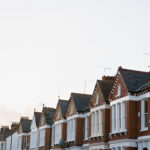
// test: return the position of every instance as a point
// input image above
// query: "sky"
(50, 48)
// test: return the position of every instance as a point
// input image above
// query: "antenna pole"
(84, 87)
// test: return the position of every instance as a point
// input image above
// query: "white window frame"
(143, 114)
(97, 98)
(119, 90)
(52, 141)
(86, 128)
(42, 137)
(71, 129)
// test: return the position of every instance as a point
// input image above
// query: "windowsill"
(85, 139)
(96, 136)
(144, 129)
(120, 131)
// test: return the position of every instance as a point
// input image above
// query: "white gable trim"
(78, 116)
(131, 98)
(105, 106)
(33, 124)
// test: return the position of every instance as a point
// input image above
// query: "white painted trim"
(123, 143)
(143, 138)
(105, 106)
(130, 97)
(44, 127)
(78, 116)
(100, 145)
(60, 121)
(24, 134)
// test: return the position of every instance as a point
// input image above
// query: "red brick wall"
(132, 117)
(106, 124)
(79, 131)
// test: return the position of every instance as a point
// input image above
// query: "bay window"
(86, 128)
(124, 116)
(33, 139)
(42, 137)
(119, 117)
(144, 114)
(71, 125)
(25, 142)
(113, 118)
(57, 133)
(52, 143)
(97, 123)
(19, 142)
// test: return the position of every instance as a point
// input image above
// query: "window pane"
(145, 106)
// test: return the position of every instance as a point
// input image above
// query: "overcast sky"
(51, 47)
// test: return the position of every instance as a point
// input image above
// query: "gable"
(58, 114)
(119, 84)
(33, 124)
(42, 120)
(71, 110)
(98, 97)
(20, 129)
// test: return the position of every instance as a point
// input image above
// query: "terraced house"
(115, 117)
(24, 134)
(100, 114)
(130, 109)
(76, 114)
(59, 128)
(34, 141)
(45, 128)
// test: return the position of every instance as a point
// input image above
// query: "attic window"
(119, 90)
(42, 122)
(97, 98)
(58, 116)
(71, 110)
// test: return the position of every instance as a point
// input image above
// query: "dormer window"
(119, 90)
(97, 98)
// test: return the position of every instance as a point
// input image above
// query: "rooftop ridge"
(131, 70)
(80, 93)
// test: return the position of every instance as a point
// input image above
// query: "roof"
(5, 134)
(134, 80)
(81, 101)
(63, 105)
(49, 114)
(106, 87)
(37, 117)
(25, 124)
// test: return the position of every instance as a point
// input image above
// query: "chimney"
(14, 125)
(110, 78)
(24, 118)
(4, 128)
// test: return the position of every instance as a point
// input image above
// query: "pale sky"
(51, 47)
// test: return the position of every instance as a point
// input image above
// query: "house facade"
(115, 117)
(100, 115)
(45, 128)
(59, 128)
(129, 101)
(34, 135)
(76, 113)
(24, 134)
(12, 138)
